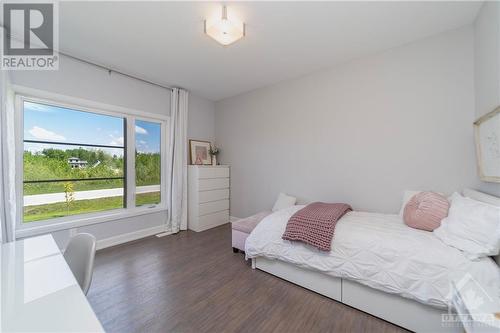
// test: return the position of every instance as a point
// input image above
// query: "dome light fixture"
(223, 30)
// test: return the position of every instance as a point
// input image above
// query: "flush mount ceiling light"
(223, 30)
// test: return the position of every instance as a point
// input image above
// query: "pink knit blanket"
(315, 224)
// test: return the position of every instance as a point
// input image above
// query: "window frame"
(163, 162)
(74, 221)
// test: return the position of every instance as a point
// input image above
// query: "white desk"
(39, 292)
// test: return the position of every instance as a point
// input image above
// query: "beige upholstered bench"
(243, 227)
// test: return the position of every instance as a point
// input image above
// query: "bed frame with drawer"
(393, 308)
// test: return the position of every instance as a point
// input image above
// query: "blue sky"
(147, 136)
(49, 123)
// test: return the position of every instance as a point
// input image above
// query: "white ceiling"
(164, 41)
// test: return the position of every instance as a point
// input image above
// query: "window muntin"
(73, 162)
(147, 163)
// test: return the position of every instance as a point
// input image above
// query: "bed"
(377, 264)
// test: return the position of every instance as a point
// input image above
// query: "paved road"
(43, 199)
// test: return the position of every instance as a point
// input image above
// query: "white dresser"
(208, 196)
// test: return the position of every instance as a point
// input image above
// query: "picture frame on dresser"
(199, 152)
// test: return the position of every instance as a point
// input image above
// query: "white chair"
(79, 255)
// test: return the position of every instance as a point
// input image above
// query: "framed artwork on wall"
(487, 134)
(200, 152)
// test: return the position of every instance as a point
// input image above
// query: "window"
(75, 162)
(147, 162)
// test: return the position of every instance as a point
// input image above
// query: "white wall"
(487, 58)
(487, 67)
(201, 119)
(359, 133)
(77, 79)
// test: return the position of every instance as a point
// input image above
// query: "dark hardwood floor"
(193, 282)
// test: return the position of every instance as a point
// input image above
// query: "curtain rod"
(110, 70)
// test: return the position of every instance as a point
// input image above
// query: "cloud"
(140, 130)
(35, 148)
(117, 141)
(43, 134)
(142, 146)
(115, 151)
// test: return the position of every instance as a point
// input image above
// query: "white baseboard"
(163, 234)
(128, 237)
(233, 219)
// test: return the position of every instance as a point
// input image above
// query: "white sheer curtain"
(177, 192)
(8, 207)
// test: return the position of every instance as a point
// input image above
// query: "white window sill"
(64, 223)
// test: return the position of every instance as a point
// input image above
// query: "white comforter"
(377, 250)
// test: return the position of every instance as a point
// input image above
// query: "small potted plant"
(214, 151)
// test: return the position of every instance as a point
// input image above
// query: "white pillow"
(284, 201)
(486, 198)
(480, 196)
(471, 226)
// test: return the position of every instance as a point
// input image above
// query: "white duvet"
(377, 250)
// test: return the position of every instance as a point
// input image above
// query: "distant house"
(77, 163)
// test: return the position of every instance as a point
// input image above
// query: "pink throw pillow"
(425, 211)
